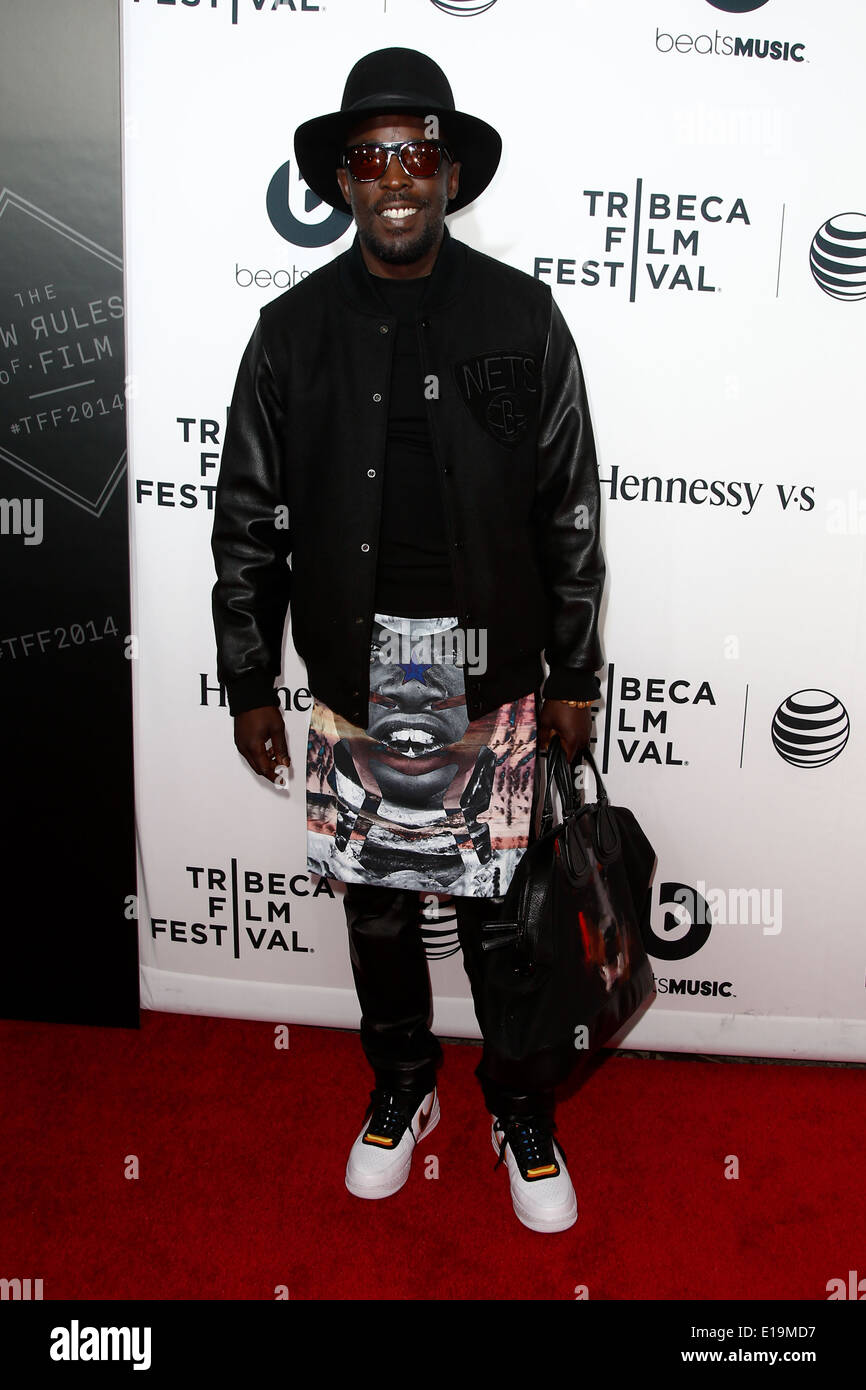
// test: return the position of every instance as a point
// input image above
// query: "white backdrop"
(668, 182)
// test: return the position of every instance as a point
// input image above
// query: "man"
(418, 411)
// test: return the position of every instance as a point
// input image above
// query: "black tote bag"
(568, 966)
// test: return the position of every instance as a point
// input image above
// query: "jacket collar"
(444, 284)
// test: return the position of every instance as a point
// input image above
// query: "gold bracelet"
(576, 704)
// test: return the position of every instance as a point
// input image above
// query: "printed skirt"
(422, 798)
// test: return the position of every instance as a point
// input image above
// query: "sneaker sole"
(558, 1220)
(374, 1188)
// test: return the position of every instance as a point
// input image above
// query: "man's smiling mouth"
(411, 743)
(398, 213)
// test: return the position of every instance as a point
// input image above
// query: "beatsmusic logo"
(729, 45)
(296, 212)
(708, 988)
(653, 239)
(837, 257)
(810, 728)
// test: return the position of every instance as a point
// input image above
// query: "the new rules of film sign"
(743, 1334)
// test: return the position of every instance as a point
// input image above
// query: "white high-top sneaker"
(381, 1156)
(541, 1191)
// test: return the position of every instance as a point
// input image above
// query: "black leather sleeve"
(251, 539)
(567, 519)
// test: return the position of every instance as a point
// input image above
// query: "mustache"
(401, 203)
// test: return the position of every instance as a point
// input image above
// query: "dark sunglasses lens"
(367, 161)
(421, 159)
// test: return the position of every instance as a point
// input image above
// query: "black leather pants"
(392, 979)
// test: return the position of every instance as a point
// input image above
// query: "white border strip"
(733, 1035)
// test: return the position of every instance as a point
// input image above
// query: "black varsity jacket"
(298, 496)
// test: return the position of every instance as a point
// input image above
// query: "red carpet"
(242, 1149)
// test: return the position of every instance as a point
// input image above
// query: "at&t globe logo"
(837, 257)
(810, 728)
(463, 8)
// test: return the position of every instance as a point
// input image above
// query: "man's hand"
(574, 726)
(253, 729)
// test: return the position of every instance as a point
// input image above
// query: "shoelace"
(531, 1140)
(388, 1117)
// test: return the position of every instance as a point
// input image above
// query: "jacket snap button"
(383, 328)
(425, 323)
(371, 472)
(458, 545)
(376, 396)
(365, 547)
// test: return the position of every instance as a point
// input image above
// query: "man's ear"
(454, 179)
(343, 181)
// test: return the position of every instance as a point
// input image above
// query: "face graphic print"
(414, 782)
(422, 797)
(417, 713)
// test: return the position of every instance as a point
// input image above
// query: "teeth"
(412, 743)
(398, 213)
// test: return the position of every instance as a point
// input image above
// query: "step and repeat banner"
(687, 177)
(69, 936)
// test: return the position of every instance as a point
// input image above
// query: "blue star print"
(414, 671)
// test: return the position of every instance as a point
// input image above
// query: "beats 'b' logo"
(686, 924)
(737, 6)
(290, 203)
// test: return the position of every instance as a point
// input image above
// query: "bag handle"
(558, 771)
(606, 839)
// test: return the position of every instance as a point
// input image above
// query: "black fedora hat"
(400, 80)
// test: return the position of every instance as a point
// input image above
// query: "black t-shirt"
(413, 576)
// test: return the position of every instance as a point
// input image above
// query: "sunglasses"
(420, 159)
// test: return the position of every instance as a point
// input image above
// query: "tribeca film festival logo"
(731, 45)
(201, 438)
(638, 710)
(236, 6)
(656, 226)
(837, 256)
(242, 908)
(810, 728)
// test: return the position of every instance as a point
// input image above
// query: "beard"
(403, 250)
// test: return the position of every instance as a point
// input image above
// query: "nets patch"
(501, 391)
